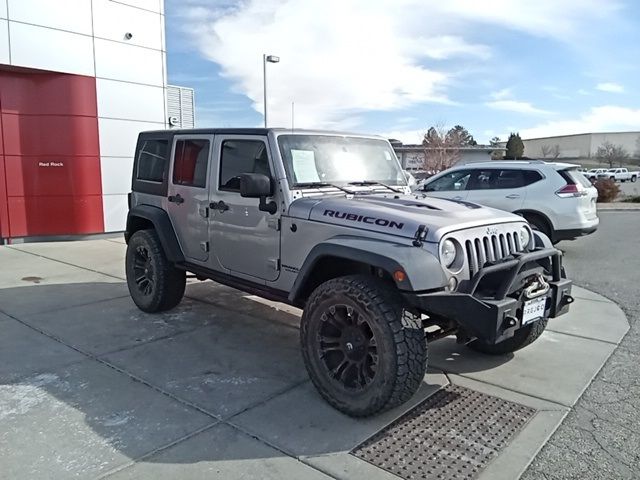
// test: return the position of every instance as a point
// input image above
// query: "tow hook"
(566, 300)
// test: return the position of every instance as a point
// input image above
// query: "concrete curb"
(618, 207)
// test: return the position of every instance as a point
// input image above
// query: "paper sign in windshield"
(304, 166)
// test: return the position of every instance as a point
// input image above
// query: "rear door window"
(190, 162)
(498, 179)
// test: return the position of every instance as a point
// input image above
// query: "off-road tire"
(521, 338)
(168, 282)
(400, 344)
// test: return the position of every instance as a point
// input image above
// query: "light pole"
(271, 59)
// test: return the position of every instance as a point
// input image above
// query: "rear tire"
(523, 337)
(540, 224)
(634, 178)
(155, 285)
(363, 351)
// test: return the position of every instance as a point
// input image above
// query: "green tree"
(515, 147)
(461, 136)
(498, 153)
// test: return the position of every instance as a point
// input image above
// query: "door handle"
(176, 199)
(513, 196)
(220, 206)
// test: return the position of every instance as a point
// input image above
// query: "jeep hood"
(399, 214)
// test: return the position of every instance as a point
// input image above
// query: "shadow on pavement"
(88, 382)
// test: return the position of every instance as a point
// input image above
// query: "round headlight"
(448, 252)
(525, 237)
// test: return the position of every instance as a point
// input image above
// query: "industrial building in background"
(580, 146)
(79, 79)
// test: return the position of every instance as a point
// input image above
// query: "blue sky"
(396, 67)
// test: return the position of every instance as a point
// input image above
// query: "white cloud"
(340, 59)
(516, 106)
(501, 94)
(610, 87)
(597, 119)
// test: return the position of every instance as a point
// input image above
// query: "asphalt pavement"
(600, 438)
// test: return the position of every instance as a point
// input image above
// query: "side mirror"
(257, 185)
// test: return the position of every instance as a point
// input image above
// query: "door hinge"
(274, 264)
(204, 246)
(274, 223)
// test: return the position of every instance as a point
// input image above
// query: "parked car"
(327, 222)
(555, 198)
(593, 173)
(619, 175)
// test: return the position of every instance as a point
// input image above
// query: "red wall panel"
(64, 215)
(37, 176)
(51, 161)
(47, 93)
(50, 135)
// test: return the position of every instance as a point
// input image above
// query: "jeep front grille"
(481, 246)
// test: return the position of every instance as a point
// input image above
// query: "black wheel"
(523, 337)
(612, 178)
(364, 352)
(540, 224)
(634, 178)
(154, 283)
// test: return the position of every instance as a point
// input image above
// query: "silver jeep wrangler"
(326, 221)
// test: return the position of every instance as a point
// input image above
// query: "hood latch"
(420, 236)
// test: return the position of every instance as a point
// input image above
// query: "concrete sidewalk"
(92, 387)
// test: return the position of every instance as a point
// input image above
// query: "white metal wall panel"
(118, 137)
(116, 175)
(128, 63)
(153, 5)
(130, 101)
(115, 210)
(112, 20)
(4, 42)
(3, 9)
(48, 49)
(71, 15)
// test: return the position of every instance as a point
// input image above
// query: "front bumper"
(494, 314)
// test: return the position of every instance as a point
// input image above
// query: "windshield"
(339, 160)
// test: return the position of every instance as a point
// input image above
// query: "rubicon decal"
(381, 222)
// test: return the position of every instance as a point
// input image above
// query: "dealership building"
(79, 79)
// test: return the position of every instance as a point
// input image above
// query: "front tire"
(521, 338)
(363, 351)
(155, 285)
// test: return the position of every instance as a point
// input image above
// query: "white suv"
(555, 198)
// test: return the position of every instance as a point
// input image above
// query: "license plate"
(533, 309)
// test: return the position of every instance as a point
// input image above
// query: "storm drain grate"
(453, 434)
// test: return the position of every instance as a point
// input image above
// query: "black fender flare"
(163, 227)
(423, 270)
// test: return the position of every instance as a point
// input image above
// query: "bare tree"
(545, 150)
(549, 151)
(498, 153)
(441, 151)
(611, 154)
(637, 152)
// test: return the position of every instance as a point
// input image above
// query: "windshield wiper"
(324, 184)
(370, 182)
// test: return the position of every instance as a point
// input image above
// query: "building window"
(242, 156)
(190, 163)
(152, 161)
